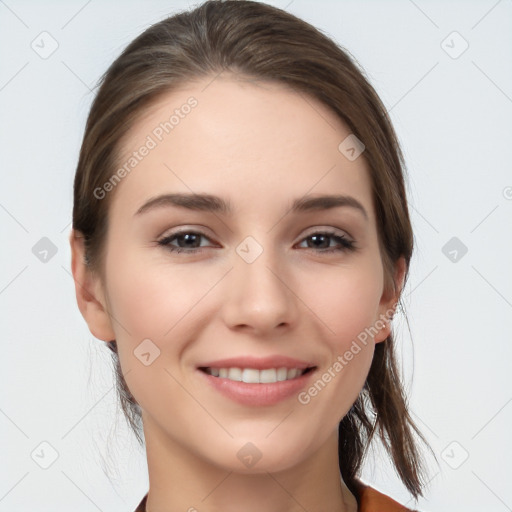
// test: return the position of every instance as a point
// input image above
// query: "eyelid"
(197, 228)
(200, 230)
(329, 229)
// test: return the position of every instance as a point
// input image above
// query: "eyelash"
(346, 244)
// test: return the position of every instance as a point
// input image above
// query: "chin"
(259, 457)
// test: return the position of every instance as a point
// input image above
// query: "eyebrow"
(215, 204)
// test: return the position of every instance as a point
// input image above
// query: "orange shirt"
(370, 501)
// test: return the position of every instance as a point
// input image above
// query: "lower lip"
(258, 394)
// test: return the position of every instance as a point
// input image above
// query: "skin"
(258, 145)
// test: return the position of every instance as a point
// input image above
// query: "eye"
(321, 240)
(190, 242)
(187, 241)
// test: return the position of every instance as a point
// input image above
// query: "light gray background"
(453, 116)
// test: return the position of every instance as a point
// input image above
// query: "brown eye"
(187, 241)
(321, 241)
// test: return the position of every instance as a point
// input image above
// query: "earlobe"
(389, 302)
(89, 293)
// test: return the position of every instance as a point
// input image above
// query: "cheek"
(346, 306)
(151, 305)
(149, 298)
(346, 301)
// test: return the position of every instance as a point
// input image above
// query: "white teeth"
(253, 376)
(267, 376)
(282, 374)
(294, 372)
(235, 374)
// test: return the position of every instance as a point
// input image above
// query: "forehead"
(246, 141)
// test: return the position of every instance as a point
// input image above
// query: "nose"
(259, 296)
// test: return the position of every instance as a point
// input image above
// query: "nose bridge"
(258, 295)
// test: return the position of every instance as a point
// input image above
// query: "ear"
(89, 291)
(389, 301)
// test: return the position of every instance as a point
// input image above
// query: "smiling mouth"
(254, 376)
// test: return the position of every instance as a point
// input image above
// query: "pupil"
(318, 237)
(188, 238)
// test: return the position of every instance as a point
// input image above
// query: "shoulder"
(371, 500)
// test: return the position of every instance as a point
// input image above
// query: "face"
(257, 275)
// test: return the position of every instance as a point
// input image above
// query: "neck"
(181, 480)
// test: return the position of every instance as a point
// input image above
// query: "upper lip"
(258, 363)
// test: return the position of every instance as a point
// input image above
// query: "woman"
(240, 239)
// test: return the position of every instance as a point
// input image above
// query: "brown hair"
(264, 43)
